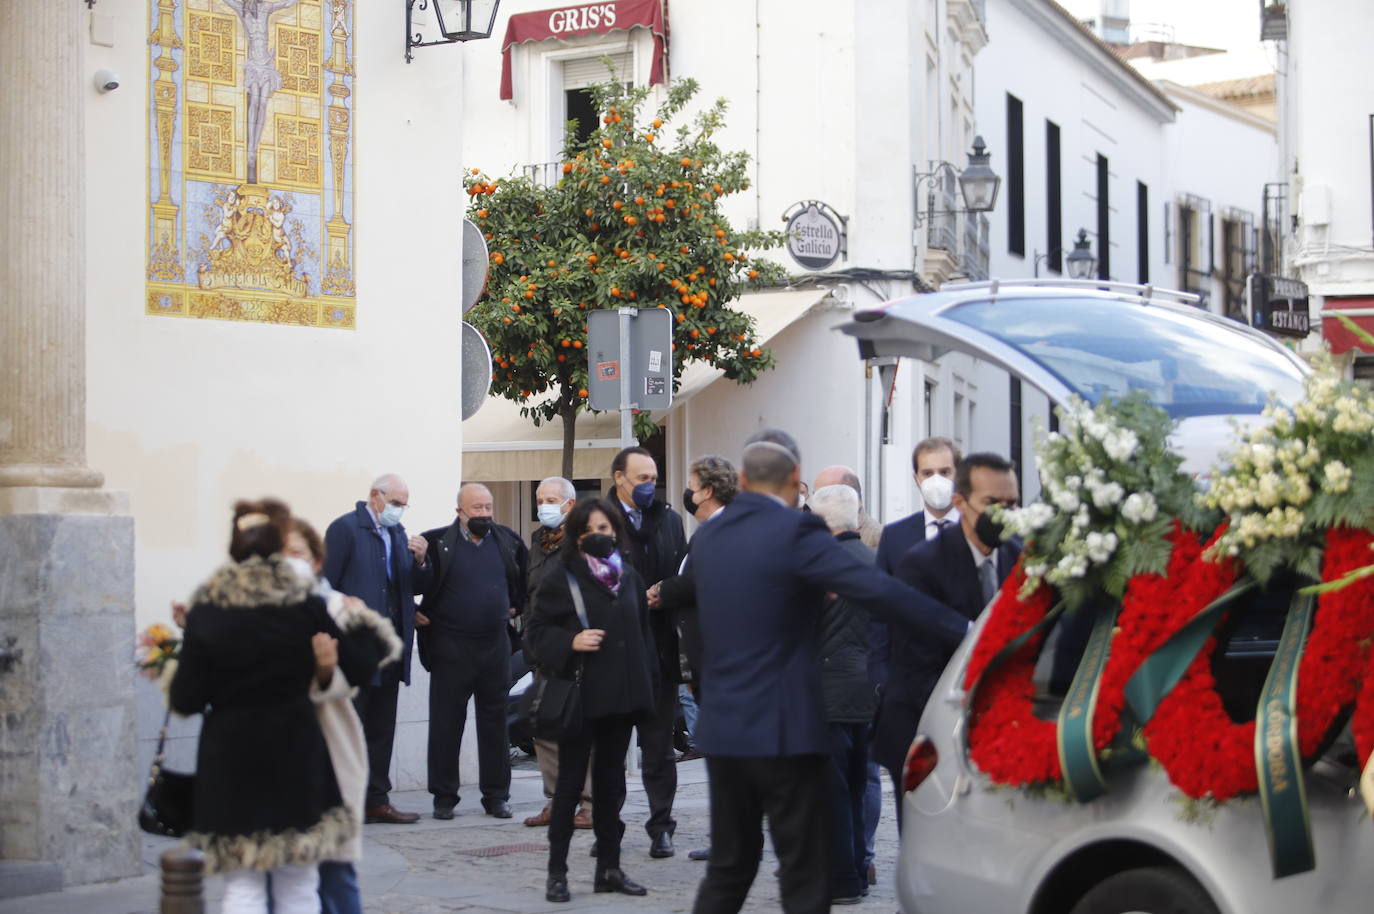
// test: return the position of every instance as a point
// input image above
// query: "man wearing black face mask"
(963, 566)
(478, 581)
(656, 547)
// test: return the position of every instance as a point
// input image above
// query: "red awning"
(589, 19)
(1336, 334)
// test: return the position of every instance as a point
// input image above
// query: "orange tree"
(633, 220)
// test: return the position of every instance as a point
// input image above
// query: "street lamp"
(1082, 263)
(458, 20)
(979, 183)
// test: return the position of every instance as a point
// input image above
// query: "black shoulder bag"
(553, 706)
(169, 801)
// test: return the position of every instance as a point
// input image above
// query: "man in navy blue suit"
(962, 567)
(369, 556)
(763, 571)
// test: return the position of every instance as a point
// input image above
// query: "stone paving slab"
(431, 867)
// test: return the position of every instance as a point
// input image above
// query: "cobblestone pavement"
(475, 863)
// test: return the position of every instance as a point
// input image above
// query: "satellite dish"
(476, 370)
(474, 264)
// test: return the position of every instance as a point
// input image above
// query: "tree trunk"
(569, 413)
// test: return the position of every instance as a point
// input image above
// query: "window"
(927, 405)
(1104, 221)
(1238, 255)
(580, 73)
(1016, 178)
(1054, 218)
(1014, 407)
(1142, 232)
(1194, 234)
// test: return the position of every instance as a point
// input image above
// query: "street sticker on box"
(607, 371)
(655, 386)
(655, 360)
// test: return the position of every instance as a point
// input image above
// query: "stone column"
(68, 784)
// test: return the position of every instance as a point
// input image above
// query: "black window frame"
(1016, 176)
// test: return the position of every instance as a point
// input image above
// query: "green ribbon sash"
(1278, 758)
(1077, 755)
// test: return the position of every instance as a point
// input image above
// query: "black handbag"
(552, 706)
(169, 800)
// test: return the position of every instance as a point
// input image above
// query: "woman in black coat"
(266, 799)
(615, 654)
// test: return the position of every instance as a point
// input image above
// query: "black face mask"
(598, 545)
(479, 526)
(988, 531)
(687, 503)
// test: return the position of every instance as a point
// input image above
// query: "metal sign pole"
(626, 425)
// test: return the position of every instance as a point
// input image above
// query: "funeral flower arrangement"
(1119, 538)
(1112, 488)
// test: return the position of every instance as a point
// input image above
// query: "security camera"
(106, 81)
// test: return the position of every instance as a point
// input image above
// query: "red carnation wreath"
(1204, 752)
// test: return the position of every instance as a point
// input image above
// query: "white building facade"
(847, 103)
(1165, 183)
(1325, 102)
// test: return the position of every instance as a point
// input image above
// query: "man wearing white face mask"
(554, 498)
(369, 556)
(933, 462)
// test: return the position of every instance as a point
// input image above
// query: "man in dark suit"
(656, 549)
(369, 556)
(477, 586)
(962, 567)
(762, 571)
(933, 462)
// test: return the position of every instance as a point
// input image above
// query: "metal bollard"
(183, 869)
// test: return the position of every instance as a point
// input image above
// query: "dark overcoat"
(355, 564)
(265, 793)
(620, 678)
(762, 572)
(942, 568)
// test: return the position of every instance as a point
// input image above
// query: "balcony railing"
(543, 173)
(943, 234)
(974, 256)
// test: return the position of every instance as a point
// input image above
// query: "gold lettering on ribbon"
(1275, 723)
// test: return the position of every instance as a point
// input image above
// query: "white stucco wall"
(187, 415)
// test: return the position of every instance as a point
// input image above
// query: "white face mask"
(551, 516)
(302, 568)
(937, 492)
(390, 516)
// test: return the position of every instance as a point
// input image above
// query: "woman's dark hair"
(581, 514)
(259, 528)
(311, 537)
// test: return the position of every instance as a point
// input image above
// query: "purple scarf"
(607, 571)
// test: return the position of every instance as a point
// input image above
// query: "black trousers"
(376, 707)
(659, 765)
(847, 783)
(605, 742)
(463, 668)
(791, 792)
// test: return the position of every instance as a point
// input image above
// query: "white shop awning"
(500, 445)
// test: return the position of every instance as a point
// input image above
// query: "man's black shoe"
(443, 812)
(701, 853)
(847, 899)
(616, 881)
(498, 809)
(662, 845)
(556, 889)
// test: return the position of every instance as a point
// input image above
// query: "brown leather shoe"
(541, 820)
(583, 819)
(389, 815)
